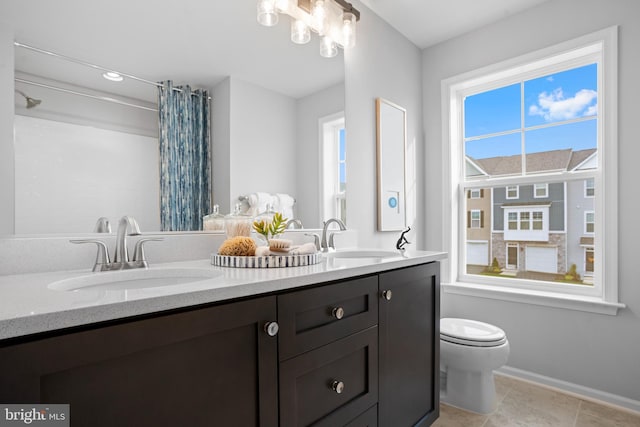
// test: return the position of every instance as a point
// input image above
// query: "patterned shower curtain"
(185, 157)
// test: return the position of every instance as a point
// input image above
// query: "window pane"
(563, 147)
(494, 111)
(561, 96)
(524, 220)
(499, 155)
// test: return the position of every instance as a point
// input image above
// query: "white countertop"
(29, 306)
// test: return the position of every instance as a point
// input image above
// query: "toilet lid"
(471, 332)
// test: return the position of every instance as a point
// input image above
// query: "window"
(589, 187)
(589, 222)
(540, 191)
(334, 179)
(475, 193)
(532, 132)
(588, 261)
(476, 219)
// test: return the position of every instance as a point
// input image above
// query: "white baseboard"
(575, 390)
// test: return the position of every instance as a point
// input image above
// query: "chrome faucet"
(127, 226)
(325, 247)
(295, 222)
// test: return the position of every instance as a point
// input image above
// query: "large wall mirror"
(79, 157)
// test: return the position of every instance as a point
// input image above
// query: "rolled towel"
(285, 205)
(304, 249)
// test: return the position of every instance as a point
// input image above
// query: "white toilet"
(469, 353)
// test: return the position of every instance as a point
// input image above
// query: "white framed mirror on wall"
(391, 131)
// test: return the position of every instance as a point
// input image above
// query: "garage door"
(542, 259)
(478, 253)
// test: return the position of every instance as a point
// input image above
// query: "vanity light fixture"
(114, 77)
(333, 20)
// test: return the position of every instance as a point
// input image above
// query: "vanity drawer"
(312, 318)
(332, 385)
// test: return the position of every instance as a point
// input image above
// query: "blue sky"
(549, 99)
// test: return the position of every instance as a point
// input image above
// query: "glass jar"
(213, 221)
(237, 223)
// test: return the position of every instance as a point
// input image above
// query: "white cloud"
(554, 106)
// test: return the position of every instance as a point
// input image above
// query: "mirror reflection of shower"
(31, 102)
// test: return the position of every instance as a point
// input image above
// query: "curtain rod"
(73, 92)
(90, 65)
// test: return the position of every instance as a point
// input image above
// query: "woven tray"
(271, 261)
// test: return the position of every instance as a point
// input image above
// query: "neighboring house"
(478, 226)
(542, 227)
(581, 215)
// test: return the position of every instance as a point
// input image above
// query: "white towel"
(258, 202)
(304, 249)
(285, 205)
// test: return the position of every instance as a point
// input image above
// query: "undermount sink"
(364, 253)
(134, 279)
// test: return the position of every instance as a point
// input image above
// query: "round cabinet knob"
(271, 328)
(337, 386)
(387, 295)
(338, 312)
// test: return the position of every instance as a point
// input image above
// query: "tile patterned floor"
(522, 404)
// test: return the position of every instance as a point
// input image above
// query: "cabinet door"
(210, 366)
(409, 327)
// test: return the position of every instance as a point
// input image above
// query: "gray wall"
(383, 64)
(307, 146)
(596, 351)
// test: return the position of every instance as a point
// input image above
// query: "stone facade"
(499, 250)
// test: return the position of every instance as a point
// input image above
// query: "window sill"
(547, 299)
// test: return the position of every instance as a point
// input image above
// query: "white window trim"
(546, 191)
(472, 196)
(586, 196)
(606, 265)
(330, 194)
(506, 192)
(586, 213)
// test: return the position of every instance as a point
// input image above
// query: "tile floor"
(523, 404)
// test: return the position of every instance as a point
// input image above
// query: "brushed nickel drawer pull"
(271, 328)
(337, 386)
(338, 312)
(387, 295)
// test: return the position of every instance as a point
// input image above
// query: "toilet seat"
(471, 333)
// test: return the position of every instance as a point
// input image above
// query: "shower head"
(31, 102)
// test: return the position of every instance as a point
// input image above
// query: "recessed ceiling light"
(114, 77)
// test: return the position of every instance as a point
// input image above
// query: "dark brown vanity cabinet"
(360, 352)
(409, 346)
(212, 366)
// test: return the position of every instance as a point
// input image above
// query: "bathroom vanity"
(347, 342)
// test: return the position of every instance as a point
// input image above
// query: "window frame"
(479, 219)
(587, 222)
(510, 188)
(472, 196)
(544, 185)
(587, 188)
(603, 297)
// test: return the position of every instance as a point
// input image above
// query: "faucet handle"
(332, 244)
(102, 257)
(316, 239)
(138, 251)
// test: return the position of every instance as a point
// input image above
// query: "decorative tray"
(269, 261)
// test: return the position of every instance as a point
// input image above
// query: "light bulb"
(300, 32)
(267, 13)
(319, 14)
(328, 48)
(349, 30)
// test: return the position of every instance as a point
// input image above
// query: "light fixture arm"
(348, 7)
